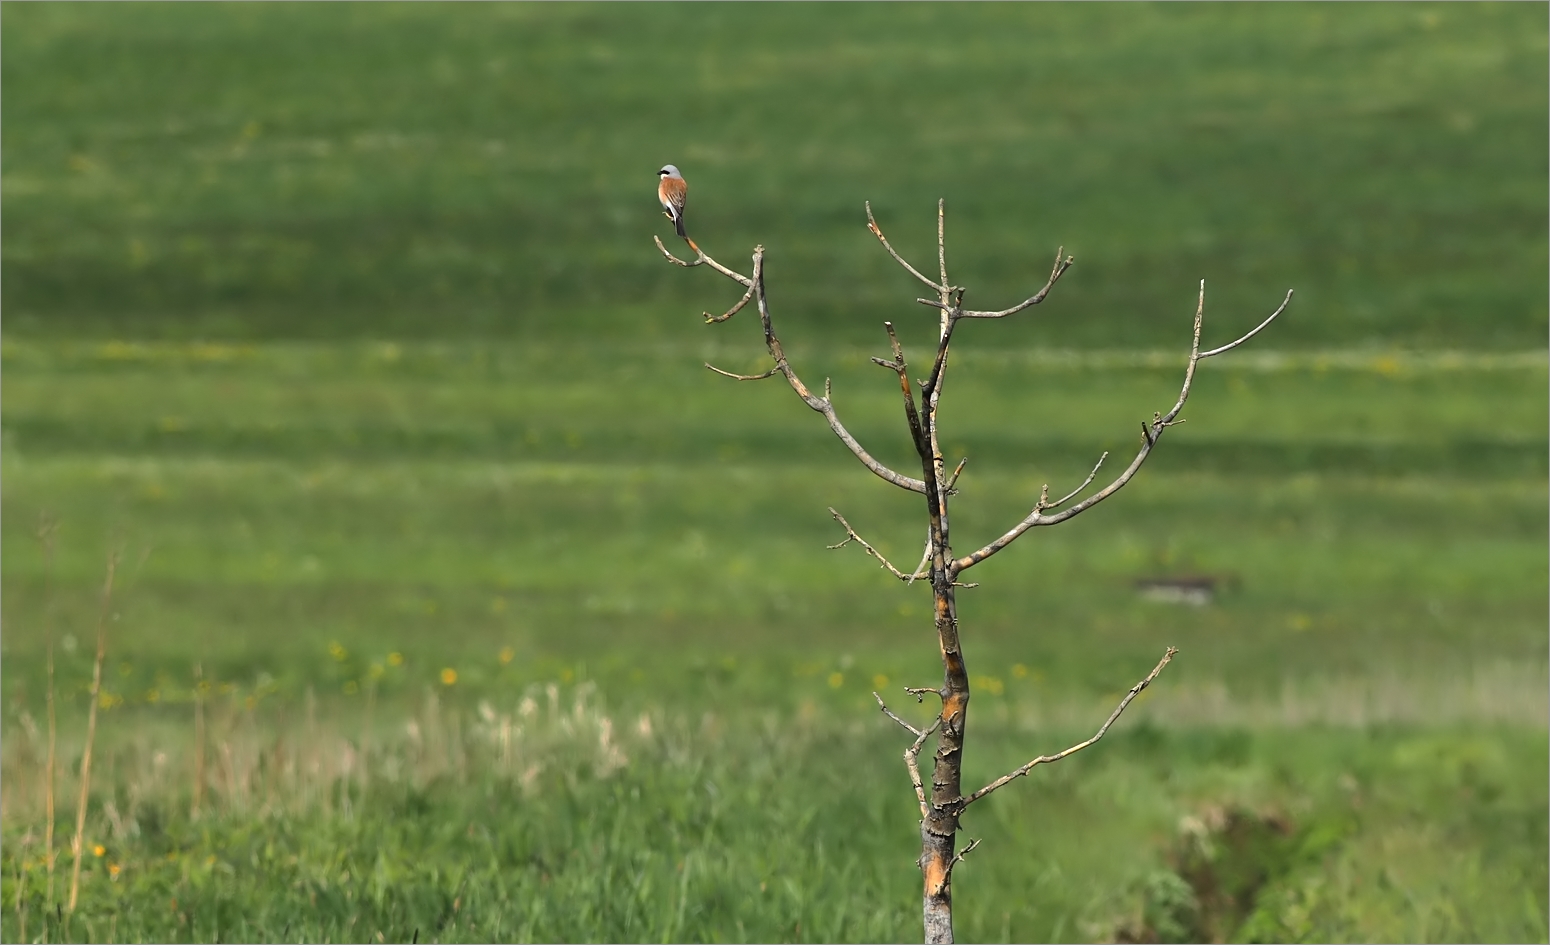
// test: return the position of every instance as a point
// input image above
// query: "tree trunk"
(939, 828)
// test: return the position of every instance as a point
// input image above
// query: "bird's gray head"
(669, 170)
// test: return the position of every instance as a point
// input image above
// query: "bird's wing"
(674, 193)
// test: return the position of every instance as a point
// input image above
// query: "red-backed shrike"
(673, 191)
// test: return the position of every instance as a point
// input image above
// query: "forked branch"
(824, 405)
(758, 275)
(851, 536)
(912, 753)
(897, 365)
(700, 259)
(947, 875)
(1048, 759)
(877, 232)
(1044, 503)
(1151, 432)
(1062, 263)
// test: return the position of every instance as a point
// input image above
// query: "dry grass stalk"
(91, 730)
(199, 741)
(276, 767)
(46, 529)
(21, 901)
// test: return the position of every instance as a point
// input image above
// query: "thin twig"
(952, 481)
(851, 536)
(912, 764)
(1046, 505)
(91, 728)
(933, 383)
(1259, 328)
(824, 404)
(1047, 759)
(889, 712)
(1062, 263)
(947, 874)
(941, 237)
(700, 259)
(877, 232)
(925, 559)
(1151, 433)
(912, 753)
(712, 319)
(899, 367)
(744, 377)
(920, 692)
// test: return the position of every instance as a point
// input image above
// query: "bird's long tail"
(678, 224)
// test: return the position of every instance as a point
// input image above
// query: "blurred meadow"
(458, 602)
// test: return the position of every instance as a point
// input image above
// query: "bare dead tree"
(943, 802)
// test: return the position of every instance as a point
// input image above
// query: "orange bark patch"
(936, 876)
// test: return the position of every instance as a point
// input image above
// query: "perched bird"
(673, 191)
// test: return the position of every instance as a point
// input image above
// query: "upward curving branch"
(824, 404)
(1124, 703)
(1151, 433)
(1062, 263)
(877, 232)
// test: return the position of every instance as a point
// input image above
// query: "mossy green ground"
(344, 325)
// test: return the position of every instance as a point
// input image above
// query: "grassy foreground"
(578, 824)
(475, 679)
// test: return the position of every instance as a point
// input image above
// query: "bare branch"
(912, 763)
(822, 404)
(674, 259)
(1045, 504)
(920, 692)
(925, 559)
(744, 377)
(1062, 263)
(1047, 759)
(889, 712)
(712, 319)
(1151, 433)
(941, 243)
(947, 874)
(931, 386)
(952, 480)
(1228, 347)
(850, 536)
(877, 232)
(911, 414)
(912, 753)
(701, 259)
(826, 407)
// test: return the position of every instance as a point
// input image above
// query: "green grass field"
(343, 324)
